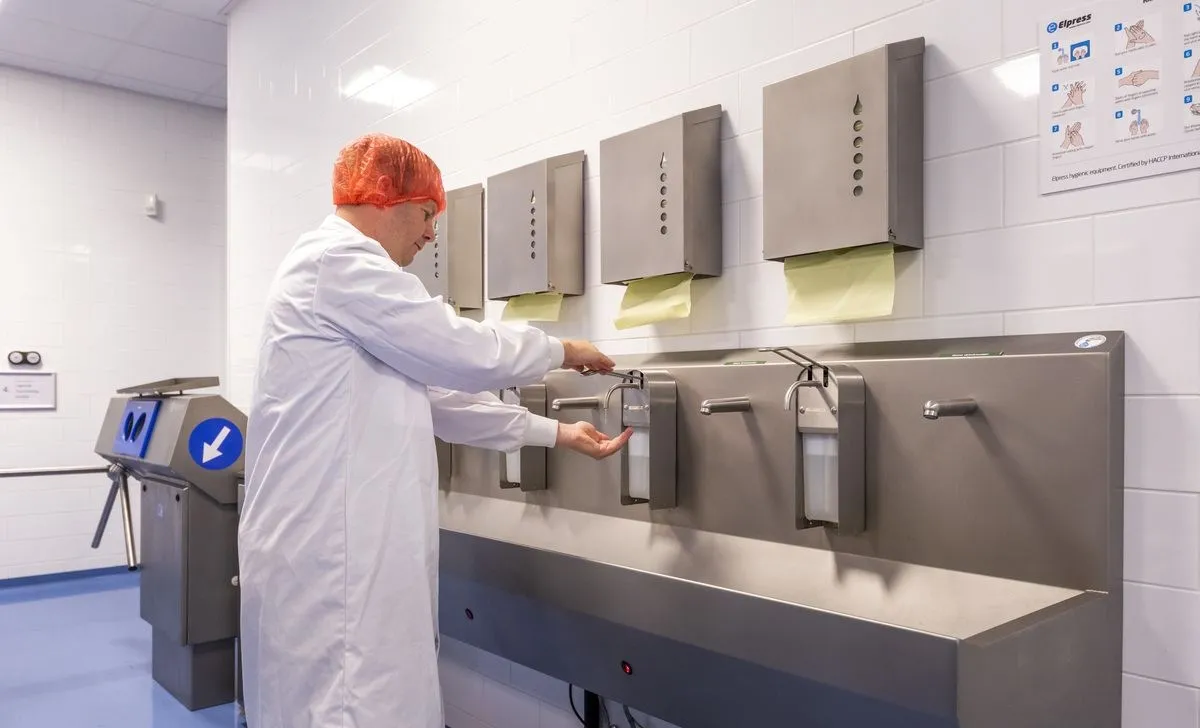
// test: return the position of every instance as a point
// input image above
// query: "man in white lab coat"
(358, 370)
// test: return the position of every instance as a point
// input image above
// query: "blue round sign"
(215, 443)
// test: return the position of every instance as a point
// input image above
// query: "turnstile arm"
(120, 487)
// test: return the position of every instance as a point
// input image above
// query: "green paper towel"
(533, 307)
(660, 298)
(841, 285)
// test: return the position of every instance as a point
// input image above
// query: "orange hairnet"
(362, 163)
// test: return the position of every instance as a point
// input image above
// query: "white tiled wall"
(485, 86)
(108, 296)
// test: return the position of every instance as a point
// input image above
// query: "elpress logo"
(1070, 23)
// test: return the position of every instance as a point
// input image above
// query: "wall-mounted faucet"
(938, 408)
(562, 403)
(725, 404)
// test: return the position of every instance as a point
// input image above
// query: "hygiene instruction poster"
(1120, 92)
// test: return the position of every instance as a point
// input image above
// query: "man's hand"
(582, 356)
(582, 437)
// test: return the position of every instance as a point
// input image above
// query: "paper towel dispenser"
(452, 265)
(660, 193)
(843, 154)
(535, 228)
(649, 460)
(525, 468)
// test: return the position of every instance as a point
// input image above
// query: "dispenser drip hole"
(662, 191)
(858, 142)
(533, 224)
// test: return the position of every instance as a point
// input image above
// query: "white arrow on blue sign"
(215, 443)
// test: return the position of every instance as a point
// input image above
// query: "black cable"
(603, 707)
(629, 717)
(571, 695)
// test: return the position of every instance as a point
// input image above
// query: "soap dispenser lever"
(635, 377)
(804, 362)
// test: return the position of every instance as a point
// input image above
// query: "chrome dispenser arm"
(615, 387)
(789, 397)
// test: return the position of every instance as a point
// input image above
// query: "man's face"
(410, 225)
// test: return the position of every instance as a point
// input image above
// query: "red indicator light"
(626, 668)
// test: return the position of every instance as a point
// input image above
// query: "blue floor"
(75, 654)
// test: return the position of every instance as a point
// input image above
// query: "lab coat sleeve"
(483, 420)
(366, 297)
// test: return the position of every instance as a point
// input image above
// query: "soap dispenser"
(830, 405)
(526, 467)
(649, 470)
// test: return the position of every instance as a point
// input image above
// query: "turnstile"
(187, 451)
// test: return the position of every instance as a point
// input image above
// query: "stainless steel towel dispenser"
(525, 468)
(649, 460)
(452, 265)
(660, 193)
(831, 459)
(843, 154)
(535, 228)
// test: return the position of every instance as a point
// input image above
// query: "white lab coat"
(358, 370)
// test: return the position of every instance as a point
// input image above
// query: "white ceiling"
(169, 48)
